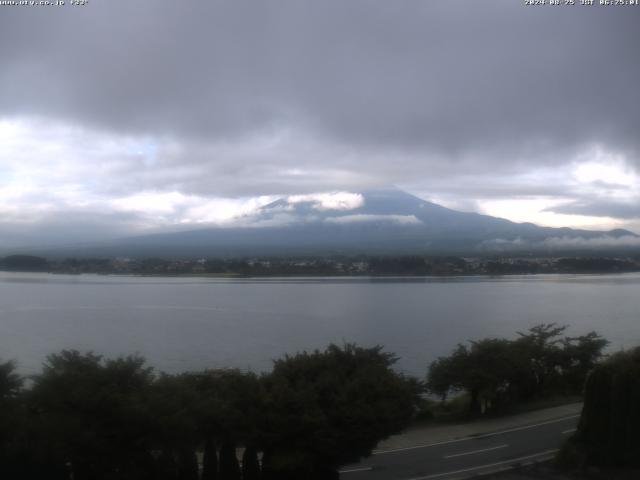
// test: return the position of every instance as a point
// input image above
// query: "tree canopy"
(93, 418)
(326, 409)
(88, 417)
(496, 372)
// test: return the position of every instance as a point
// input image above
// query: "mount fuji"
(380, 221)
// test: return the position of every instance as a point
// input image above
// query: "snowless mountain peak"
(376, 221)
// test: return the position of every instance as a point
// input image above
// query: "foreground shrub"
(607, 434)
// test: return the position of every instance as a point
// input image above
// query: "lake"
(183, 324)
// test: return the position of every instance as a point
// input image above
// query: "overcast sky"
(123, 116)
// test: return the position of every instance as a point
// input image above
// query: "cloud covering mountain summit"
(380, 221)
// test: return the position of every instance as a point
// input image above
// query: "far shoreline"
(337, 266)
(231, 276)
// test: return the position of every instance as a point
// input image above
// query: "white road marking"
(489, 465)
(353, 470)
(465, 439)
(476, 451)
(571, 430)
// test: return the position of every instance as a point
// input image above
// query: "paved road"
(466, 457)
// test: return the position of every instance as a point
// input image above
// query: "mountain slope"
(376, 221)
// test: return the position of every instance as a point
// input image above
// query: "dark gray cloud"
(456, 78)
(460, 100)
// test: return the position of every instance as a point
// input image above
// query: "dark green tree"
(250, 464)
(326, 409)
(488, 376)
(444, 375)
(90, 415)
(229, 466)
(485, 370)
(541, 346)
(10, 381)
(229, 411)
(173, 404)
(11, 421)
(607, 433)
(580, 355)
(187, 464)
(209, 459)
(498, 372)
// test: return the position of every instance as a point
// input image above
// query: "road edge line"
(473, 437)
(509, 464)
(476, 451)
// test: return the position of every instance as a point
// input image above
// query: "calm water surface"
(191, 323)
